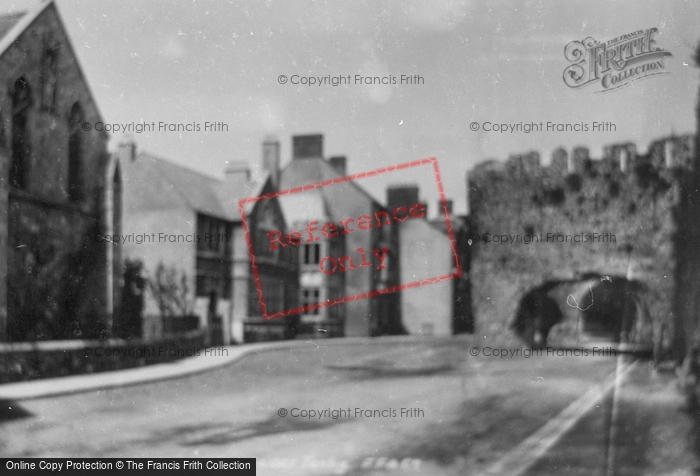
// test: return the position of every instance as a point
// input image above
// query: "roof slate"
(8, 21)
(13, 24)
(231, 196)
(301, 172)
(154, 183)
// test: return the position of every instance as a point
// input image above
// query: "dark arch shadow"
(537, 313)
(609, 310)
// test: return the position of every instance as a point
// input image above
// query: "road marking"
(521, 458)
(614, 417)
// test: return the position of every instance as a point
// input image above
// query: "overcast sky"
(195, 61)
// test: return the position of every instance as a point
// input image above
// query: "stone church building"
(59, 188)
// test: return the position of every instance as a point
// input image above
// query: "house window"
(213, 236)
(21, 149)
(335, 292)
(310, 297)
(273, 290)
(312, 253)
(75, 154)
(213, 257)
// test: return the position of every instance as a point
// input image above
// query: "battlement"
(540, 228)
(672, 152)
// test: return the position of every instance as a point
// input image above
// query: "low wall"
(37, 360)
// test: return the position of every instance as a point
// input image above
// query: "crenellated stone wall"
(577, 224)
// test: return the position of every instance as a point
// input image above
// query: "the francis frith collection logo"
(615, 63)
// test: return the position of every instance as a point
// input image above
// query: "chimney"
(307, 147)
(449, 204)
(339, 163)
(401, 196)
(127, 150)
(237, 174)
(668, 153)
(271, 159)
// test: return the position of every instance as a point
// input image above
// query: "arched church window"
(21, 145)
(75, 154)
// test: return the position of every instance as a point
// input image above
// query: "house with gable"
(426, 252)
(418, 250)
(315, 286)
(278, 270)
(176, 227)
(376, 314)
(186, 229)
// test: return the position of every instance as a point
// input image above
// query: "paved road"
(649, 433)
(462, 413)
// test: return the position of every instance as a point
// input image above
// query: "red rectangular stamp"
(349, 247)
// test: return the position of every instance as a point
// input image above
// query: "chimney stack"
(401, 196)
(127, 150)
(237, 174)
(307, 147)
(271, 159)
(405, 195)
(340, 164)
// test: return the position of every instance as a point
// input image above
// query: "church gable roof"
(12, 25)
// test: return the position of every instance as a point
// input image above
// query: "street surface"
(425, 408)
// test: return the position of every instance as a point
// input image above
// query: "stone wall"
(4, 197)
(587, 222)
(58, 281)
(31, 361)
(686, 298)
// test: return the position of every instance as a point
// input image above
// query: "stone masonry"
(583, 249)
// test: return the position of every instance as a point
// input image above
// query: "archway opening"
(609, 309)
(536, 315)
